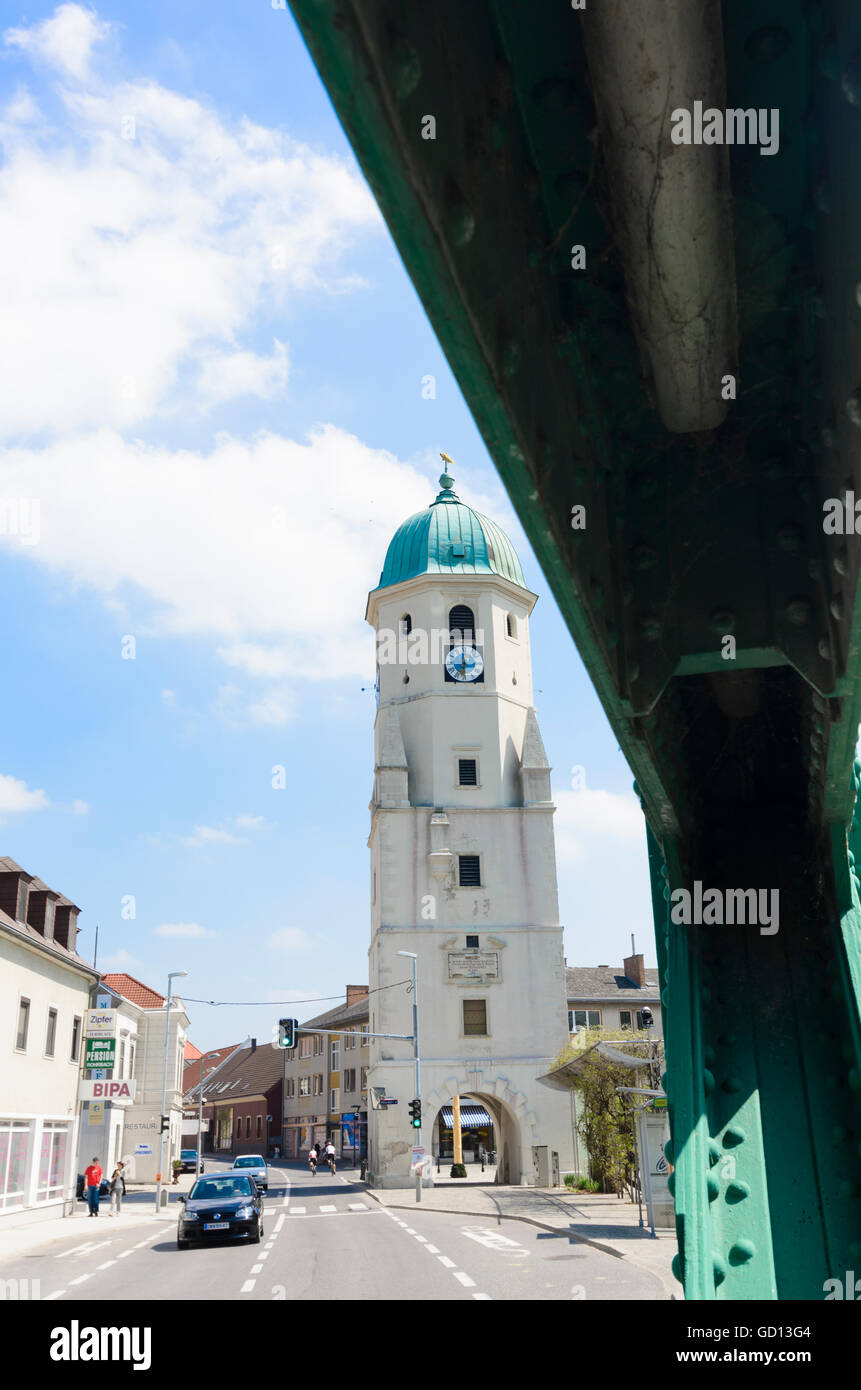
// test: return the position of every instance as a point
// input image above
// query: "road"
(325, 1238)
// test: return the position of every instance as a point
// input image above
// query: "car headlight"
(244, 1213)
(190, 1216)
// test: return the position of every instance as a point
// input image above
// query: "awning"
(471, 1117)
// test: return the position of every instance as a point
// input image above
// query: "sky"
(212, 423)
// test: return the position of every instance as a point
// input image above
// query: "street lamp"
(411, 955)
(200, 1111)
(174, 975)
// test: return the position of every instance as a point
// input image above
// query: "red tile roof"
(192, 1053)
(134, 990)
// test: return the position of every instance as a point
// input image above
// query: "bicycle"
(312, 1164)
(332, 1164)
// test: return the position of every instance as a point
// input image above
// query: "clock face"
(464, 663)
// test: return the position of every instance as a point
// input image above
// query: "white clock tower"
(463, 868)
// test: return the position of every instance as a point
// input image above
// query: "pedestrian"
(118, 1189)
(93, 1178)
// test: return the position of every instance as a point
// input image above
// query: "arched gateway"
(463, 869)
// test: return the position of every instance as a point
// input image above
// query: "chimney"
(355, 992)
(635, 970)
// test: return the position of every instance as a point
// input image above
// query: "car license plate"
(216, 1225)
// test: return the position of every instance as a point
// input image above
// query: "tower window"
(472, 943)
(510, 625)
(406, 625)
(461, 623)
(467, 772)
(475, 1017)
(469, 870)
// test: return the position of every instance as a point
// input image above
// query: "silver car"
(253, 1166)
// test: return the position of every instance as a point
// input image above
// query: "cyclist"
(312, 1160)
(330, 1156)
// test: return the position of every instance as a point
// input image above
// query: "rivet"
(731, 1085)
(853, 407)
(850, 83)
(676, 1267)
(824, 648)
(708, 1081)
(828, 435)
(798, 611)
(841, 561)
(718, 1268)
(737, 1191)
(712, 1188)
(650, 627)
(741, 1252)
(408, 68)
(722, 620)
(733, 1136)
(714, 1153)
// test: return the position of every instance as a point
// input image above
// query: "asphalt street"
(326, 1238)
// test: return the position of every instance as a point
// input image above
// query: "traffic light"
(165, 1123)
(287, 1030)
(415, 1109)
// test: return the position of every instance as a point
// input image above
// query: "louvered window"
(475, 1017)
(472, 943)
(467, 772)
(461, 622)
(469, 870)
(406, 625)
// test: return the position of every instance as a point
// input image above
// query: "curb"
(669, 1288)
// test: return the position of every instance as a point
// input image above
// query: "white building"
(142, 1118)
(102, 1132)
(44, 995)
(463, 869)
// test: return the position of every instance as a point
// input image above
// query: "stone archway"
(508, 1107)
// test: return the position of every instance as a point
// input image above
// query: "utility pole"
(417, 1133)
(158, 1180)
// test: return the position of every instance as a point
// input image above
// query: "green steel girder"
(743, 766)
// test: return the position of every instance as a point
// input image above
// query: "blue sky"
(213, 423)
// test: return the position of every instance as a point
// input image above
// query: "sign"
(143, 1151)
(120, 1092)
(99, 1074)
(101, 1023)
(473, 963)
(417, 1159)
(100, 1052)
(389, 1100)
(103, 1001)
(96, 1113)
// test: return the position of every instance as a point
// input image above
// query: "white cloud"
(290, 939)
(16, 796)
(226, 544)
(585, 818)
(170, 229)
(250, 822)
(168, 697)
(191, 929)
(206, 835)
(81, 808)
(65, 41)
(120, 960)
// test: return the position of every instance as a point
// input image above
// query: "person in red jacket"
(92, 1178)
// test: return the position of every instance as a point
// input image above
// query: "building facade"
(327, 1081)
(463, 870)
(601, 996)
(44, 995)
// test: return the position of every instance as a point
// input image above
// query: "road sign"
(100, 1052)
(101, 1023)
(143, 1150)
(97, 1112)
(389, 1100)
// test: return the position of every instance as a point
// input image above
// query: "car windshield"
(218, 1189)
(249, 1162)
(188, 1153)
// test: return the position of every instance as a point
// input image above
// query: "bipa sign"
(120, 1092)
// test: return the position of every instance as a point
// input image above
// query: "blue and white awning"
(471, 1117)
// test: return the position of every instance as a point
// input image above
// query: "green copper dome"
(449, 538)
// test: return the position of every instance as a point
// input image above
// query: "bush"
(570, 1180)
(458, 1170)
(588, 1185)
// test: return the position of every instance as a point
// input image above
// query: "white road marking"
(248, 1285)
(76, 1249)
(328, 1208)
(358, 1206)
(494, 1240)
(409, 1230)
(269, 1244)
(58, 1294)
(125, 1253)
(432, 1249)
(423, 1239)
(256, 1269)
(482, 1296)
(279, 1223)
(444, 1260)
(298, 1211)
(106, 1265)
(464, 1279)
(142, 1243)
(80, 1279)
(100, 1245)
(264, 1255)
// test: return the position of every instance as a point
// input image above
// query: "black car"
(104, 1188)
(188, 1159)
(220, 1208)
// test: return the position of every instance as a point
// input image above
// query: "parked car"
(188, 1159)
(254, 1165)
(220, 1207)
(104, 1188)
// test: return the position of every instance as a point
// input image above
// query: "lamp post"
(200, 1112)
(174, 975)
(414, 958)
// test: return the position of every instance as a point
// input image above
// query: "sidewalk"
(595, 1219)
(138, 1210)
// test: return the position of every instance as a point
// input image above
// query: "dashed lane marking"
(444, 1260)
(423, 1239)
(52, 1296)
(256, 1269)
(298, 1211)
(248, 1285)
(80, 1279)
(279, 1223)
(483, 1297)
(358, 1206)
(124, 1254)
(75, 1250)
(432, 1249)
(264, 1255)
(328, 1208)
(106, 1265)
(464, 1279)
